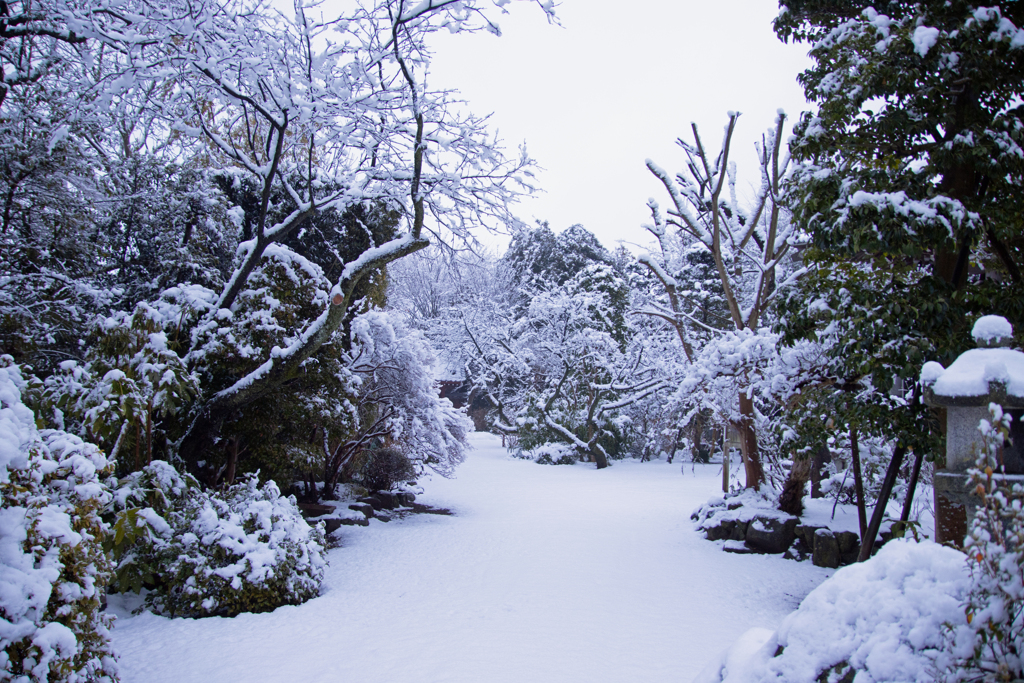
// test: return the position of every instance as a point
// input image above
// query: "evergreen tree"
(908, 180)
(537, 260)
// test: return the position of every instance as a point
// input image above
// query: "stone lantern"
(991, 373)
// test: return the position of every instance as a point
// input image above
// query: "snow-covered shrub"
(143, 501)
(247, 549)
(878, 621)
(990, 645)
(385, 467)
(53, 570)
(553, 454)
(131, 383)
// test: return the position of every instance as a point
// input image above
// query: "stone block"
(771, 535)
(826, 549)
(805, 532)
(309, 510)
(848, 541)
(739, 532)
(372, 501)
(721, 531)
(849, 546)
(387, 499)
(738, 548)
(365, 508)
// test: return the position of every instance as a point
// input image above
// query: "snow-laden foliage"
(907, 178)
(989, 644)
(52, 566)
(130, 383)
(721, 264)
(397, 367)
(880, 620)
(246, 549)
(221, 186)
(544, 339)
(552, 454)
(564, 361)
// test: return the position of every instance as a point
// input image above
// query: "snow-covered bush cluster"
(53, 570)
(203, 553)
(552, 454)
(882, 620)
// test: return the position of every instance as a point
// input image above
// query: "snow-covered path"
(545, 574)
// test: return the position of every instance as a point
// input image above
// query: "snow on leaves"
(246, 549)
(52, 564)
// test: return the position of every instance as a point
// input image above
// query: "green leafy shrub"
(201, 554)
(385, 467)
(140, 540)
(52, 565)
(130, 387)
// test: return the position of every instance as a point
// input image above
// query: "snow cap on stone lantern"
(991, 373)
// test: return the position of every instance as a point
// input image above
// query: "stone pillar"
(992, 373)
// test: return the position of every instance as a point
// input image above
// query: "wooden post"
(725, 459)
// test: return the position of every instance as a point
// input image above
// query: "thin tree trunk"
(229, 476)
(149, 435)
(725, 459)
(858, 484)
(868, 544)
(914, 474)
(748, 443)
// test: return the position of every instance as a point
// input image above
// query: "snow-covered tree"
(241, 176)
(749, 247)
(908, 181)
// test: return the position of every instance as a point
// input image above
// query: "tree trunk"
(858, 484)
(748, 443)
(698, 441)
(914, 474)
(792, 499)
(229, 476)
(725, 460)
(822, 456)
(868, 544)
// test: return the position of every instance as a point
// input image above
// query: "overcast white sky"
(617, 83)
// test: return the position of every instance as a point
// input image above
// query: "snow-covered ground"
(545, 573)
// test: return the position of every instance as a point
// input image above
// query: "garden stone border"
(748, 526)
